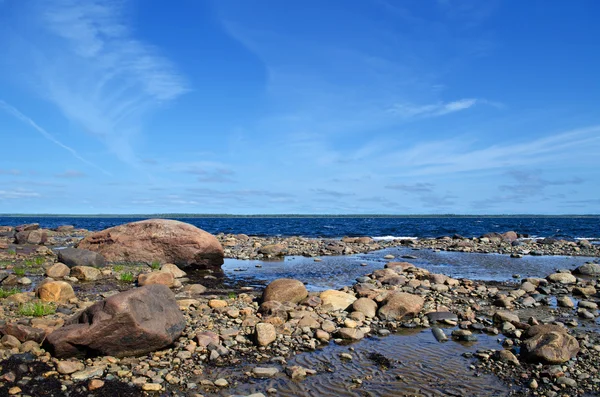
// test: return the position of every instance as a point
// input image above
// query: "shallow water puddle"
(419, 366)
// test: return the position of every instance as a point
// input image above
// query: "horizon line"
(289, 215)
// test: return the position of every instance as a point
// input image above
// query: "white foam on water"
(390, 238)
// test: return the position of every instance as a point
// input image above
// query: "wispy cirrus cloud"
(432, 110)
(16, 113)
(448, 156)
(17, 194)
(97, 73)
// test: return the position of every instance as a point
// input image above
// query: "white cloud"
(432, 110)
(97, 73)
(456, 155)
(17, 194)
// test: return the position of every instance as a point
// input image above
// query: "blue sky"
(267, 106)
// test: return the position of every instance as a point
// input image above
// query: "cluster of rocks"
(166, 334)
(32, 234)
(241, 246)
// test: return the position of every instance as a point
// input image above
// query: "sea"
(379, 227)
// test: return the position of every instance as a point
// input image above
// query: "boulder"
(134, 322)
(173, 269)
(272, 250)
(163, 278)
(510, 236)
(162, 240)
(400, 304)
(333, 300)
(358, 240)
(562, 278)
(589, 269)
(549, 344)
(285, 290)
(27, 227)
(58, 270)
(86, 273)
(353, 334)
(399, 267)
(38, 236)
(80, 257)
(24, 332)
(55, 291)
(366, 306)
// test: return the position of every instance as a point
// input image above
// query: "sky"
(300, 106)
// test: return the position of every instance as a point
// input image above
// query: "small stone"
(14, 390)
(265, 334)
(221, 382)
(565, 301)
(533, 384)
(563, 380)
(217, 303)
(69, 366)
(151, 387)
(265, 372)
(87, 373)
(95, 384)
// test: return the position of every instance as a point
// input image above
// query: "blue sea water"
(556, 227)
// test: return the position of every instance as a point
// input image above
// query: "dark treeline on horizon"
(174, 215)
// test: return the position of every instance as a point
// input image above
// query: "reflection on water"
(339, 271)
(420, 367)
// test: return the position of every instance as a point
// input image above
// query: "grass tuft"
(40, 260)
(118, 268)
(37, 309)
(127, 277)
(155, 265)
(19, 271)
(5, 293)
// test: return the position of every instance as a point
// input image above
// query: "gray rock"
(265, 372)
(79, 257)
(589, 269)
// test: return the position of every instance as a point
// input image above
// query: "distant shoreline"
(293, 216)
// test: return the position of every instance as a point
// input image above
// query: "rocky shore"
(73, 323)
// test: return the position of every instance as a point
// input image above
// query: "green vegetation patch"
(37, 309)
(19, 271)
(6, 292)
(127, 277)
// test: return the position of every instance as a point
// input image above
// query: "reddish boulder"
(130, 323)
(162, 240)
(24, 332)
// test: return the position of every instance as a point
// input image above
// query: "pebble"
(265, 372)
(151, 387)
(221, 382)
